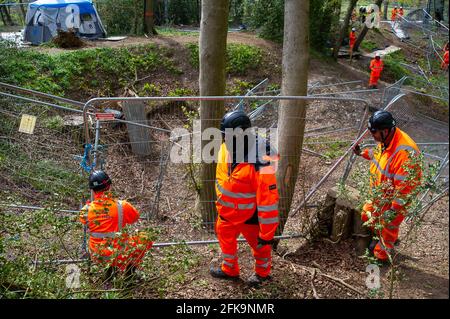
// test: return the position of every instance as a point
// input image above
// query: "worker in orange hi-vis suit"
(394, 14)
(391, 164)
(400, 13)
(445, 58)
(352, 40)
(106, 217)
(376, 66)
(247, 198)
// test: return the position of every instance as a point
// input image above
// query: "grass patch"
(393, 70)
(92, 71)
(42, 175)
(369, 45)
(167, 31)
(240, 57)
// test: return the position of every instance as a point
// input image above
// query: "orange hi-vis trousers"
(227, 234)
(388, 235)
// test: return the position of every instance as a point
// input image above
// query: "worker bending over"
(106, 218)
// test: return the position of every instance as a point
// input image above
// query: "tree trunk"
(149, 26)
(7, 16)
(22, 9)
(212, 50)
(291, 118)
(134, 111)
(364, 31)
(2, 16)
(344, 29)
(385, 9)
(136, 16)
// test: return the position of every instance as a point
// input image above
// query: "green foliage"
(42, 175)
(324, 20)
(54, 123)
(180, 92)
(393, 69)
(240, 57)
(368, 45)
(81, 70)
(335, 150)
(122, 17)
(150, 89)
(267, 17)
(180, 12)
(419, 178)
(239, 87)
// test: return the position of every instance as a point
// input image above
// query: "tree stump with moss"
(340, 218)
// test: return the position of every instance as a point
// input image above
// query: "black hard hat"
(235, 119)
(99, 180)
(381, 120)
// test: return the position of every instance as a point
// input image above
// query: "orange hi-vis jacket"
(352, 38)
(445, 61)
(394, 14)
(247, 188)
(376, 67)
(388, 166)
(400, 12)
(106, 218)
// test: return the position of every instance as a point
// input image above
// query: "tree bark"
(7, 16)
(22, 9)
(364, 31)
(385, 9)
(212, 50)
(149, 25)
(344, 29)
(291, 118)
(2, 16)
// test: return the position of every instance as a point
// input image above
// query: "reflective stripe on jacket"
(376, 67)
(106, 216)
(244, 189)
(389, 166)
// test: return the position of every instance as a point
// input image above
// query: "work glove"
(262, 242)
(357, 150)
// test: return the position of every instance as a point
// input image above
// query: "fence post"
(134, 111)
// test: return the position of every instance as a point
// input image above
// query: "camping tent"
(45, 17)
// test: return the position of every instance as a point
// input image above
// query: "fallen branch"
(312, 284)
(343, 283)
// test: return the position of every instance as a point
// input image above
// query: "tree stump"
(134, 111)
(340, 218)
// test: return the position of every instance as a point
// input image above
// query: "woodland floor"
(422, 270)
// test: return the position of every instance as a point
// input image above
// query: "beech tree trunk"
(291, 116)
(212, 50)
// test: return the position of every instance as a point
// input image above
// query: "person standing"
(390, 169)
(376, 66)
(247, 199)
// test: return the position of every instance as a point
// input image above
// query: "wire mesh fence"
(44, 169)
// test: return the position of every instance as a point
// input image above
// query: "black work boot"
(255, 280)
(372, 245)
(218, 273)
